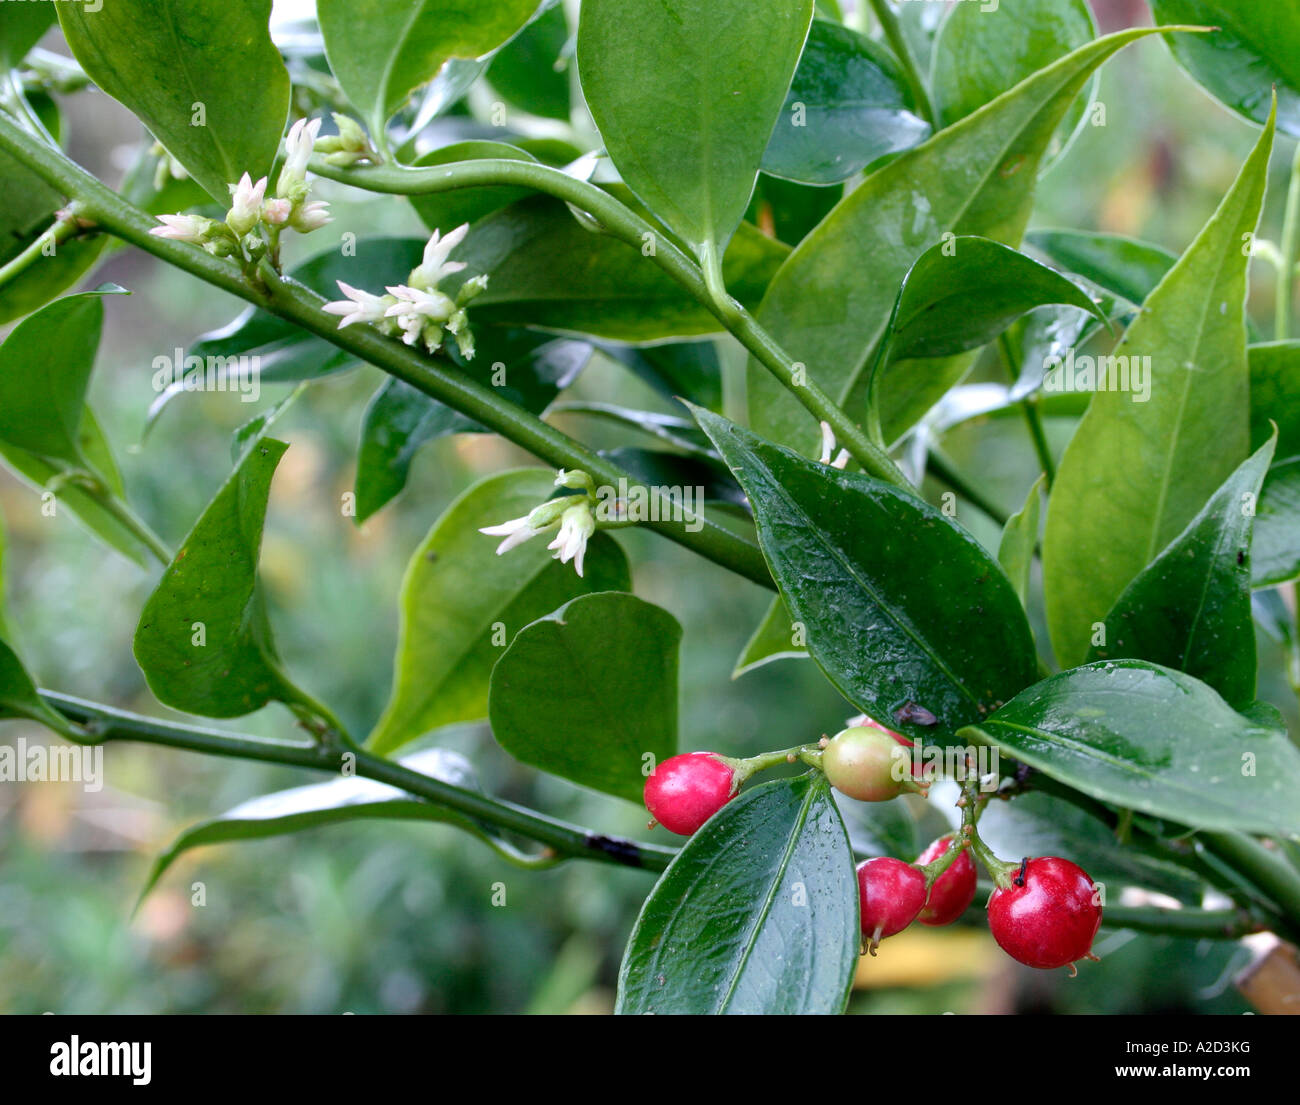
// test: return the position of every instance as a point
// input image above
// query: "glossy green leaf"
(204, 641)
(908, 616)
(531, 70)
(848, 106)
(699, 479)
(1125, 266)
(525, 367)
(547, 271)
(980, 54)
(791, 210)
(1044, 825)
(678, 369)
(48, 277)
(380, 51)
(757, 914)
(1275, 396)
(1020, 539)
(775, 638)
(202, 75)
(880, 828)
(350, 798)
(590, 691)
(1254, 49)
(960, 295)
(1275, 553)
(686, 94)
(19, 699)
(1154, 740)
(1145, 461)
(461, 605)
(445, 211)
(1190, 608)
(830, 304)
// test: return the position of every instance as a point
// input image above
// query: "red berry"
(867, 763)
(891, 893)
(684, 792)
(1048, 916)
(953, 891)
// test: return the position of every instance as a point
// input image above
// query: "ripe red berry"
(682, 793)
(891, 893)
(953, 891)
(1048, 916)
(868, 763)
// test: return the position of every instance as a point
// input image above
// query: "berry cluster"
(1044, 911)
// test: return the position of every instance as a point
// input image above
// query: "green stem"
(437, 379)
(132, 522)
(58, 232)
(103, 723)
(1290, 251)
(626, 226)
(1029, 408)
(1264, 869)
(894, 34)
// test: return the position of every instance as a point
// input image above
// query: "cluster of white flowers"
(249, 207)
(418, 310)
(572, 513)
(828, 447)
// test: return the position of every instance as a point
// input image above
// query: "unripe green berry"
(868, 764)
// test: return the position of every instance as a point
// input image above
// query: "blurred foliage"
(400, 917)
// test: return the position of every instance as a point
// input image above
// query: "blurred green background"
(397, 917)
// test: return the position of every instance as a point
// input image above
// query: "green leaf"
(1275, 553)
(1138, 471)
(1044, 825)
(526, 367)
(980, 54)
(461, 605)
(848, 106)
(204, 640)
(880, 828)
(1154, 740)
(792, 210)
(45, 367)
(1253, 50)
(1020, 539)
(686, 369)
(19, 699)
(1275, 395)
(590, 691)
(775, 638)
(1125, 266)
(202, 75)
(958, 296)
(690, 146)
(47, 277)
(757, 913)
(380, 52)
(447, 210)
(339, 800)
(531, 70)
(1190, 608)
(21, 28)
(830, 304)
(902, 608)
(549, 272)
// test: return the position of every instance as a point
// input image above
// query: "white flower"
(516, 532)
(415, 309)
(360, 306)
(576, 527)
(828, 446)
(297, 149)
(245, 204)
(277, 211)
(435, 264)
(310, 216)
(182, 228)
